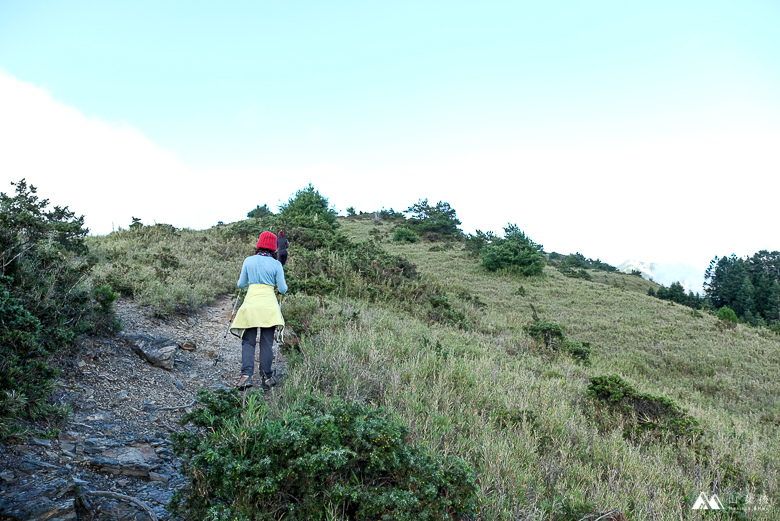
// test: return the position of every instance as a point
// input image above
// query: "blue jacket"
(259, 269)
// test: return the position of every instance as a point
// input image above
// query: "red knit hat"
(267, 240)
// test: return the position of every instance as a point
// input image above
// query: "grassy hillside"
(480, 387)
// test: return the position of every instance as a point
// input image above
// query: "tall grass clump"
(168, 269)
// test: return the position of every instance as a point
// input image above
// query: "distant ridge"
(691, 277)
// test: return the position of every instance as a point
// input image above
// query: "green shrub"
(443, 312)
(404, 234)
(574, 273)
(46, 300)
(727, 315)
(552, 336)
(260, 212)
(577, 261)
(251, 463)
(644, 413)
(433, 222)
(309, 209)
(474, 243)
(515, 252)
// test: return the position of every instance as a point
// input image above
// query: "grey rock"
(42, 509)
(121, 510)
(138, 459)
(43, 499)
(37, 464)
(69, 436)
(157, 351)
(41, 442)
(99, 416)
(161, 496)
(154, 476)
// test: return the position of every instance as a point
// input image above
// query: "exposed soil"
(124, 409)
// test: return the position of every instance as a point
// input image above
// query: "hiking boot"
(271, 381)
(244, 382)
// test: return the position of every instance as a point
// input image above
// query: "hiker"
(260, 313)
(281, 247)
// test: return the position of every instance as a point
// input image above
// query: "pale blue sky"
(603, 127)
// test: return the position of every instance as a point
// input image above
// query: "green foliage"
(443, 312)
(476, 242)
(404, 234)
(259, 212)
(250, 229)
(577, 261)
(351, 211)
(515, 251)
(574, 273)
(45, 301)
(727, 314)
(307, 208)
(326, 262)
(644, 413)
(433, 222)
(170, 270)
(247, 462)
(676, 293)
(552, 336)
(750, 286)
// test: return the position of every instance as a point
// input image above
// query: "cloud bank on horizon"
(680, 198)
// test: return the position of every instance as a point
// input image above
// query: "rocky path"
(113, 460)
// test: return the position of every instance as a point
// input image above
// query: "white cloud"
(111, 172)
(683, 198)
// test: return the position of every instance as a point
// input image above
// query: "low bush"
(435, 223)
(403, 234)
(575, 261)
(644, 413)
(515, 252)
(247, 462)
(572, 273)
(727, 315)
(46, 302)
(552, 336)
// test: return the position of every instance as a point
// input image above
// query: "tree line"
(749, 287)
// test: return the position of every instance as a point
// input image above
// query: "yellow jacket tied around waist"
(260, 309)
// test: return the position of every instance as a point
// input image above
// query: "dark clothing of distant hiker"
(260, 310)
(281, 248)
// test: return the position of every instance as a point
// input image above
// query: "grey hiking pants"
(248, 342)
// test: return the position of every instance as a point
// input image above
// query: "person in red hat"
(260, 313)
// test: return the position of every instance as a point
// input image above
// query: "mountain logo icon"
(705, 503)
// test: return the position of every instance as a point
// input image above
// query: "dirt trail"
(124, 409)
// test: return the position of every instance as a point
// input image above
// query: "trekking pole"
(279, 334)
(222, 342)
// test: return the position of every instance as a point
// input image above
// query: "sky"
(620, 130)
